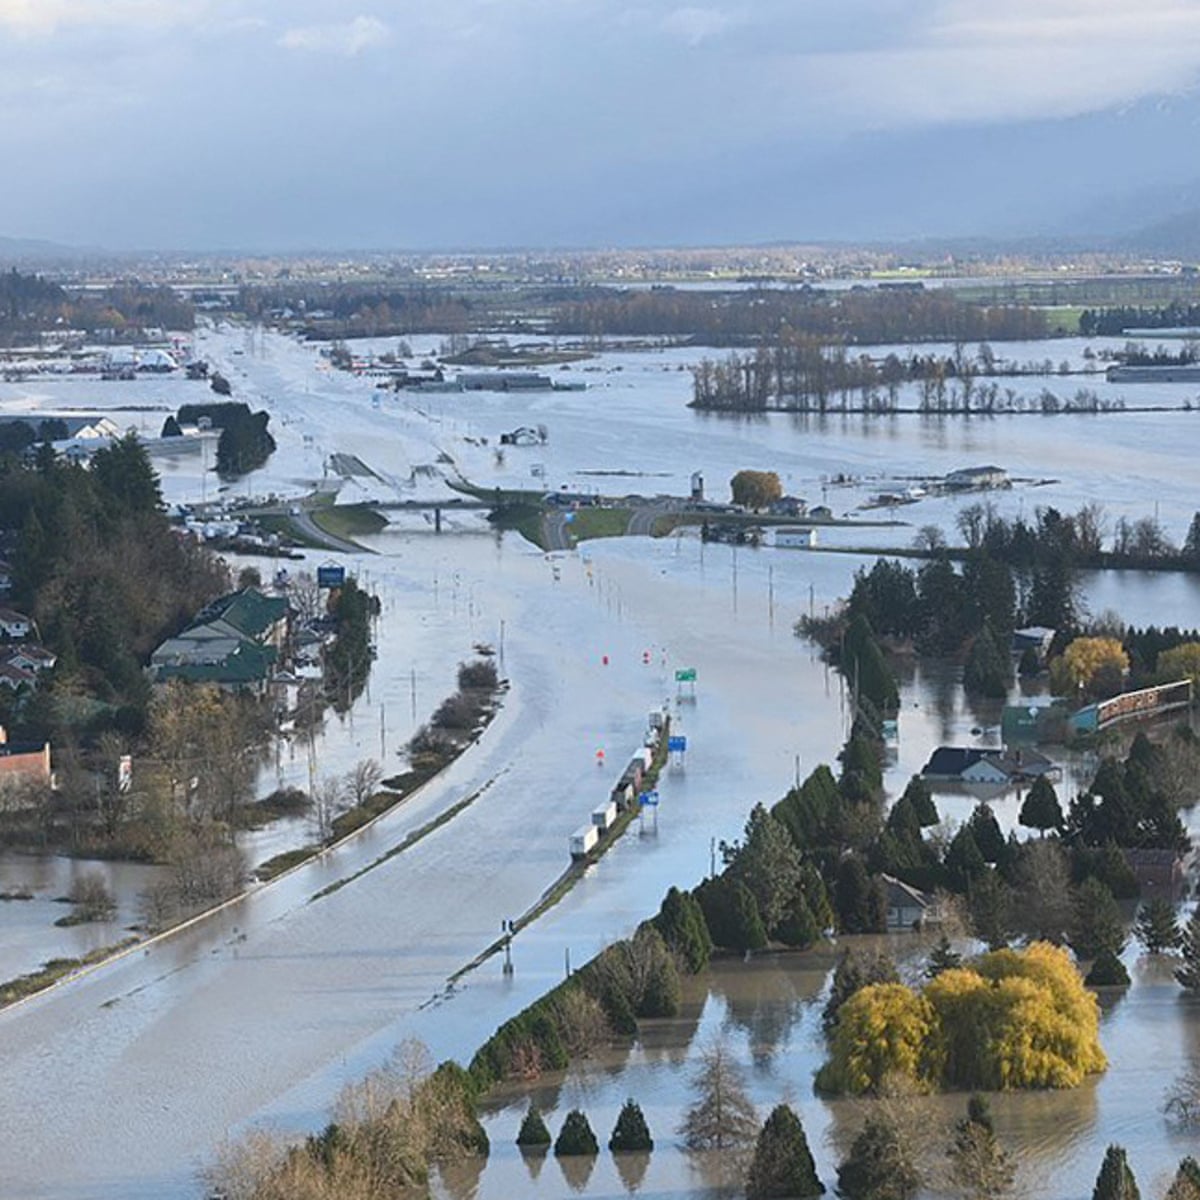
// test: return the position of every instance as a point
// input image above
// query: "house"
(799, 537)
(972, 478)
(907, 906)
(788, 506)
(20, 664)
(1162, 871)
(235, 643)
(14, 625)
(1034, 637)
(14, 677)
(973, 764)
(820, 512)
(248, 615)
(24, 761)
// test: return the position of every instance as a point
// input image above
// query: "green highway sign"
(686, 675)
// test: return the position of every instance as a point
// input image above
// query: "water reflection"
(577, 1170)
(632, 1167)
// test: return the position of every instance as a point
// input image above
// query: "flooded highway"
(262, 1012)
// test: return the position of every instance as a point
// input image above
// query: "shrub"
(533, 1134)
(1107, 971)
(478, 675)
(879, 1166)
(631, 1132)
(459, 712)
(576, 1136)
(783, 1164)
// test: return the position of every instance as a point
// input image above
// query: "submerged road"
(269, 1008)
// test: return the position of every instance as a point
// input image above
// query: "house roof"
(248, 612)
(971, 471)
(13, 676)
(904, 895)
(248, 663)
(10, 616)
(949, 762)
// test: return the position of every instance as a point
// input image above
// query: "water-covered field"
(264, 1012)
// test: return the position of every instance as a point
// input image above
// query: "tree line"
(799, 372)
(31, 304)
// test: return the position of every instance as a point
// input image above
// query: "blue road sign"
(648, 799)
(677, 745)
(331, 577)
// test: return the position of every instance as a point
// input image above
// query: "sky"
(421, 124)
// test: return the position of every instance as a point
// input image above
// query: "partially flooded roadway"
(123, 1082)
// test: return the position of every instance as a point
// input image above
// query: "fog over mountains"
(207, 124)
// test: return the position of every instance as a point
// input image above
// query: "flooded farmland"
(269, 1008)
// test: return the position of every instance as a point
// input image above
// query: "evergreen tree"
(919, 796)
(985, 829)
(879, 1165)
(1189, 944)
(1096, 923)
(1186, 1184)
(631, 1132)
(1191, 543)
(1107, 971)
(1115, 1181)
(1156, 927)
(533, 1133)
(1040, 809)
(576, 1136)
(942, 958)
(988, 670)
(783, 1164)
(964, 862)
(990, 902)
(865, 670)
(978, 1163)
(855, 970)
(768, 863)
(680, 920)
(857, 898)
(731, 914)
(799, 927)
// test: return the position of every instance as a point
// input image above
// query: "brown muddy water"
(769, 1011)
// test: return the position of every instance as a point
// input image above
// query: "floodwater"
(769, 1014)
(263, 1012)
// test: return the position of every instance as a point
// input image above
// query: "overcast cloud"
(207, 123)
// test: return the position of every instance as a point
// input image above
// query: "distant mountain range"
(33, 251)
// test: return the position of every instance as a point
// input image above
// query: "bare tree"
(1182, 1101)
(327, 800)
(929, 538)
(721, 1116)
(1091, 528)
(362, 783)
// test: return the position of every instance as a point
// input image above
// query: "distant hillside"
(1176, 236)
(32, 251)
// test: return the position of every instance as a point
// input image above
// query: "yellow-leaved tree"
(1180, 662)
(1012, 1019)
(884, 1030)
(1090, 664)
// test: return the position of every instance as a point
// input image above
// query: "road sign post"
(686, 675)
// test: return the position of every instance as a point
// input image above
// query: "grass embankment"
(54, 970)
(287, 529)
(525, 519)
(600, 523)
(394, 791)
(348, 520)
